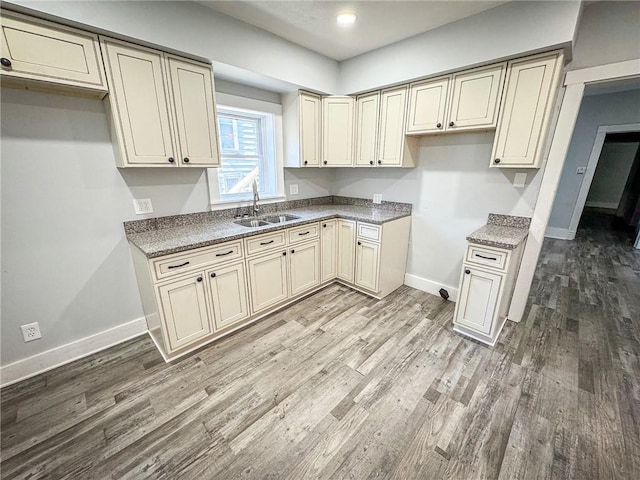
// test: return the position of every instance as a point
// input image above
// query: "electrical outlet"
(31, 331)
(293, 189)
(377, 198)
(581, 170)
(142, 206)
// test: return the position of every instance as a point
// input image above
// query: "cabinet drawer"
(266, 242)
(369, 232)
(488, 257)
(186, 262)
(304, 233)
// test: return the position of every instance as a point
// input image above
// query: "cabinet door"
(139, 103)
(525, 111)
(427, 105)
(367, 114)
(49, 52)
(268, 280)
(329, 252)
(184, 309)
(192, 94)
(337, 131)
(310, 124)
(304, 267)
(476, 94)
(346, 249)
(228, 293)
(478, 299)
(367, 265)
(393, 104)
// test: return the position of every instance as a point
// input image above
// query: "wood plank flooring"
(342, 386)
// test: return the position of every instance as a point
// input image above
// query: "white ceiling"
(312, 24)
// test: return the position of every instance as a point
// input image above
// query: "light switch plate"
(377, 198)
(293, 189)
(520, 180)
(581, 170)
(142, 206)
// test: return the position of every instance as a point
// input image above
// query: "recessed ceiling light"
(345, 19)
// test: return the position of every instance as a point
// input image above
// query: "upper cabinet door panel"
(392, 115)
(475, 99)
(310, 124)
(368, 107)
(427, 105)
(337, 131)
(525, 110)
(45, 51)
(192, 88)
(139, 103)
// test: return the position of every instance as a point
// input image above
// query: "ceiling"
(312, 24)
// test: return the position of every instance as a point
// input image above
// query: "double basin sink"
(259, 222)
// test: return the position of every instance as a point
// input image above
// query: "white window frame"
(275, 145)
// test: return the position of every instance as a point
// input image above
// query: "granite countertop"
(502, 231)
(157, 242)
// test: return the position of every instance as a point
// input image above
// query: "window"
(248, 139)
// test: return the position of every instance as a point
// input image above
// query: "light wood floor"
(343, 386)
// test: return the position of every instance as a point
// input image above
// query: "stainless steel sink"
(251, 222)
(280, 218)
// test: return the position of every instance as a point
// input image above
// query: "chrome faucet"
(256, 198)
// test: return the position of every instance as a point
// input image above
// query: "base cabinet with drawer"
(486, 288)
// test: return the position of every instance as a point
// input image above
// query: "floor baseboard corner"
(429, 286)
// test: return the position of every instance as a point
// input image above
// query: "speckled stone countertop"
(502, 231)
(180, 234)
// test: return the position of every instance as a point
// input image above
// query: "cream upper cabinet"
(346, 252)
(367, 265)
(394, 148)
(268, 280)
(162, 108)
(367, 115)
(475, 98)
(184, 306)
(304, 267)
(329, 250)
(477, 304)
(337, 131)
(39, 53)
(302, 124)
(526, 110)
(228, 293)
(427, 106)
(193, 99)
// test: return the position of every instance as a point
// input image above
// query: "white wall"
(197, 30)
(452, 190)
(609, 109)
(509, 30)
(611, 174)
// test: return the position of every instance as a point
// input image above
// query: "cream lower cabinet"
(268, 280)
(346, 250)
(367, 265)
(329, 250)
(228, 292)
(486, 287)
(304, 267)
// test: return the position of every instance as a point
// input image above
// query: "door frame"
(591, 171)
(574, 85)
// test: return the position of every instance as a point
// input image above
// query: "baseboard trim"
(429, 286)
(559, 233)
(69, 352)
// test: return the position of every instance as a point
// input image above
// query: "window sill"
(235, 203)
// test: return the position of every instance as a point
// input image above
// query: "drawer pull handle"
(224, 254)
(266, 243)
(304, 233)
(486, 258)
(178, 266)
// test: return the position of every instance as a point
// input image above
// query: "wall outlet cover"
(377, 198)
(31, 331)
(142, 206)
(520, 180)
(293, 189)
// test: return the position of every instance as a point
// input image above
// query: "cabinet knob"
(284, 253)
(324, 225)
(451, 124)
(185, 159)
(213, 275)
(172, 160)
(497, 160)
(306, 162)
(5, 62)
(325, 162)
(199, 279)
(370, 162)
(467, 271)
(359, 243)
(379, 162)
(439, 125)
(293, 251)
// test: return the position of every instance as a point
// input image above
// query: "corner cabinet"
(302, 124)
(161, 107)
(526, 110)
